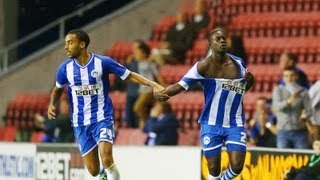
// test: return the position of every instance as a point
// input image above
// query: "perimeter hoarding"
(264, 163)
(17, 161)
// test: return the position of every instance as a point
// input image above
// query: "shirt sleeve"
(61, 77)
(115, 68)
(190, 78)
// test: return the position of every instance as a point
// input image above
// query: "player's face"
(73, 46)
(218, 42)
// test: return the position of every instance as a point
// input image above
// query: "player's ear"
(82, 44)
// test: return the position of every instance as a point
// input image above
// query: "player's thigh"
(236, 139)
(211, 140)
(91, 160)
(237, 159)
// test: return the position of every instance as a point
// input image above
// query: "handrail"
(4, 52)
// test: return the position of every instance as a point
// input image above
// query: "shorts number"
(104, 132)
(243, 137)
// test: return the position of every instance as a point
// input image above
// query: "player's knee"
(237, 168)
(214, 169)
(93, 170)
(107, 161)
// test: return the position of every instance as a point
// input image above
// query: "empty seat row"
(267, 50)
(234, 7)
(270, 25)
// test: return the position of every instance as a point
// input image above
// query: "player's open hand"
(51, 112)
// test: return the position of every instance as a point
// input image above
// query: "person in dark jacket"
(162, 126)
(310, 171)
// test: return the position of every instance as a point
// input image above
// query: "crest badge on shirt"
(94, 73)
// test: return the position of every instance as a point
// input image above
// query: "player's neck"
(84, 58)
(219, 57)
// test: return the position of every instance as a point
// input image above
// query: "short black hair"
(291, 68)
(81, 35)
(144, 48)
(166, 107)
(216, 29)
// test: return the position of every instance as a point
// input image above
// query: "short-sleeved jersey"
(88, 87)
(223, 97)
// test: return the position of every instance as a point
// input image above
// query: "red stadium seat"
(36, 137)
(128, 136)
(188, 138)
(9, 133)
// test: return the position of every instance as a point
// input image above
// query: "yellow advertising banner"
(263, 164)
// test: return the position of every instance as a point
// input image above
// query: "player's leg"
(103, 133)
(105, 149)
(236, 146)
(211, 142)
(91, 161)
(88, 149)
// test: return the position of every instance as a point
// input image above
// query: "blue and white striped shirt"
(223, 97)
(88, 87)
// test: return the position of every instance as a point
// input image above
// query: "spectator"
(262, 127)
(59, 131)
(235, 46)
(289, 100)
(308, 172)
(161, 126)
(200, 19)
(131, 118)
(179, 39)
(141, 97)
(289, 60)
(314, 93)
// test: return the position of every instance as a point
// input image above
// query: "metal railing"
(8, 55)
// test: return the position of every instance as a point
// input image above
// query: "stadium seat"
(188, 138)
(36, 137)
(9, 133)
(129, 136)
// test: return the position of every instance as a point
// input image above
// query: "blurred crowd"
(290, 118)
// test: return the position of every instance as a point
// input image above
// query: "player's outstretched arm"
(169, 91)
(54, 99)
(137, 78)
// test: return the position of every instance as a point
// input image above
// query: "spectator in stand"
(200, 19)
(235, 46)
(262, 127)
(314, 93)
(289, 100)
(289, 60)
(310, 171)
(179, 39)
(142, 96)
(131, 118)
(162, 125)
(59, 131)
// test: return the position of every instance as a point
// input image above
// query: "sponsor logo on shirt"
(235, 86)
(87, 90)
